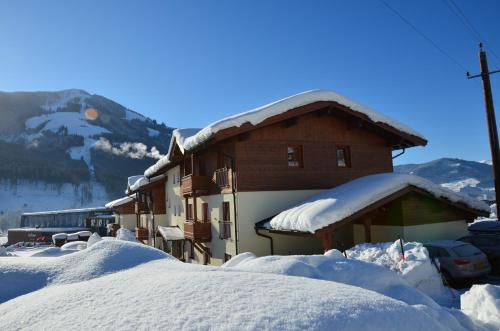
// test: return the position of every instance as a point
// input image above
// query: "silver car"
(458, 261)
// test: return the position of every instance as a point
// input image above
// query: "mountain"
(469, 177)
(71, 149)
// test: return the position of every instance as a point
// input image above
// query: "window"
(225, 224)
(295, 156)
(189, 211)
(343, 157)
(204, 208)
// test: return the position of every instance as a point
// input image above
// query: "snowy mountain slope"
(84, 145)
(469, 177)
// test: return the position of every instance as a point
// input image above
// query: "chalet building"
(294, 177)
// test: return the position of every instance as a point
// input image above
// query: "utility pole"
(490, 119)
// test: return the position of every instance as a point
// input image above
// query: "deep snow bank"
(416, 268)
(169, 294)
(482, 302)
(23, 275)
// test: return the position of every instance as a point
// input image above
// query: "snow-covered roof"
(178, 137)
(132, 179)
(171, 232)
(143, 181)
(119, 202)
(336, 204)
(188, 139)
(46, 230)
(67, 211)
(260, 114)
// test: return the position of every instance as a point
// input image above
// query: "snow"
(76, 123)
(93, 239)
(457, 186)
(153, 133)
(171, 232)
(59, 236)
(416, 268)
(74, 245)
(132, 179)
(336, 204)
(142, 181)
(119, 202)
(126, 235)
(72, 236)
(258, 115)
(188, 139)
(482, 303)
(21, 275)
(30, 196)
(114, 280)
(179, 136)
(132, 115)
(63, 97)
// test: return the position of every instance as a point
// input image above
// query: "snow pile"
(416, 268)
(334, 205)
(3, 251)
(19, 276)
(93, 239)
(74, 246)
(333, 266)
(232, 300)
(482, 303)
(125, 234)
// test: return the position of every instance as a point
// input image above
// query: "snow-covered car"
(458, 260)
(489, 244)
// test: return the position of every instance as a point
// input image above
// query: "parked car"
(458, 261)
(490, 245)
(491, 226)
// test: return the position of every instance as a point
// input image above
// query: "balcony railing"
(198, 231)
(194, 183)
(222, 177)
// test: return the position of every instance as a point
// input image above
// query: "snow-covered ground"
(117, 284)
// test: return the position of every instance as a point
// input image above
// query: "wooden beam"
(368, 234)
(195, 210)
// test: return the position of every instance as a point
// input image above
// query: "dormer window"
(295, 156)
(343, 157)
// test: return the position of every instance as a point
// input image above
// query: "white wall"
(253, 207)
(127, 221)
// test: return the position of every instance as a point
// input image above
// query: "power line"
(423, 35)
(454, 8)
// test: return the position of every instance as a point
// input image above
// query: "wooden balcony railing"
(222, 177)
(194, 183)
(141, 207)
(141, 234)
(198, 231)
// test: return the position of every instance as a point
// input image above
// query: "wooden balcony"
(198, 231)
(141, 207)
(195, 184)
(141, 234)
(222, 178)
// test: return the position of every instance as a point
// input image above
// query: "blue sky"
(188, 63)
